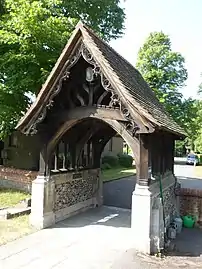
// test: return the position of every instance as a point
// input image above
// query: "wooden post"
(42, 162)
(154, 154)
(172, 154)
(144, 161)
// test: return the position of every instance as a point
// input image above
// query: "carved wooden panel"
(89, 88)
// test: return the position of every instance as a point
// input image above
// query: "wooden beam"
(98, 147)
(143, 175)
(90, 112)
(43, 162)
(87, 135)
(172, 153)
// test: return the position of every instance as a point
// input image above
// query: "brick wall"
(16, 178)
(191, 203)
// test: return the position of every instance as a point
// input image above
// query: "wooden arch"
(114, 125)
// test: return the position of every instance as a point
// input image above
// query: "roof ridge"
(89, 32)
(107, 44)
(141, 89)
(82, 25)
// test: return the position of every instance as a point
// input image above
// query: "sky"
(180, 19)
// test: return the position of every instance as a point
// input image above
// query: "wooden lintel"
(92, 112)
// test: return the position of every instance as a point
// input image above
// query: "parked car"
(192, 159)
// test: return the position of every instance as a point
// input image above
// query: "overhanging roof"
(127, 80)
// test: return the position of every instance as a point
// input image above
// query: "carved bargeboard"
(115, 101)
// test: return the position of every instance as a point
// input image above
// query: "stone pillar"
(42, 203)
(147, 220)
(141, 218)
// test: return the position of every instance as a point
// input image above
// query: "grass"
(198, 171)
(17, 227)
(116, 173)
(14, 228)
(9, 197)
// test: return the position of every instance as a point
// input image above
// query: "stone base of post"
(42, 202)
(141, 218)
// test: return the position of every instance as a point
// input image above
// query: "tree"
(164, 71)
(32, 35)
(200, 87)
(2, 7)
(198, 130)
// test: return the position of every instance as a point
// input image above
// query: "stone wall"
(171, 204)
(75, 191)
(170, 199)
(191, 203)
(171, 210)
(16, 178)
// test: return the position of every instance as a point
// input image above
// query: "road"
(118, 192)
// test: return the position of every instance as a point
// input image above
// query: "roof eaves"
(44, 93)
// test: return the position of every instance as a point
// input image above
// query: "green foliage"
(2, 7)
(198, 131)
(164, 71)
(200, 87)
(111, 160)
(180, 150)
(200, 158)
(32, 36)
(125, 160)
(105, 166)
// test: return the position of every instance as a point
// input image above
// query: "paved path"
(118, 193)
(94, 239)
(97, 239)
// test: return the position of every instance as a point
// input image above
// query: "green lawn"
(116, 173)
(10, 197)
(12, 229)
(198, 171)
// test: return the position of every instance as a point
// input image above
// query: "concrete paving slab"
(90, 240)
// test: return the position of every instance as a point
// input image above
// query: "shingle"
(135, 90)
(135, 85)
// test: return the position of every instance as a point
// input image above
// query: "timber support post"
(141, 201)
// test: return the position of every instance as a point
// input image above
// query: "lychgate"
(92, 94)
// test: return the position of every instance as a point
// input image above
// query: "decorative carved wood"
(91, 88)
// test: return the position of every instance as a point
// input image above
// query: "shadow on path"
(103, 216)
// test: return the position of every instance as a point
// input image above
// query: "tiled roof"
(135, 87)
(127, 80)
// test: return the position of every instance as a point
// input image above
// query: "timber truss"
(96, 91)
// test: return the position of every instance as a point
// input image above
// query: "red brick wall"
(191, 203)
(17, 175)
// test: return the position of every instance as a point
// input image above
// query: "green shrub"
(200, 158)
(105, 166)
(110, 159)
(125, 160)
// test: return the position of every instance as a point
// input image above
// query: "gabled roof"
(127, 80)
